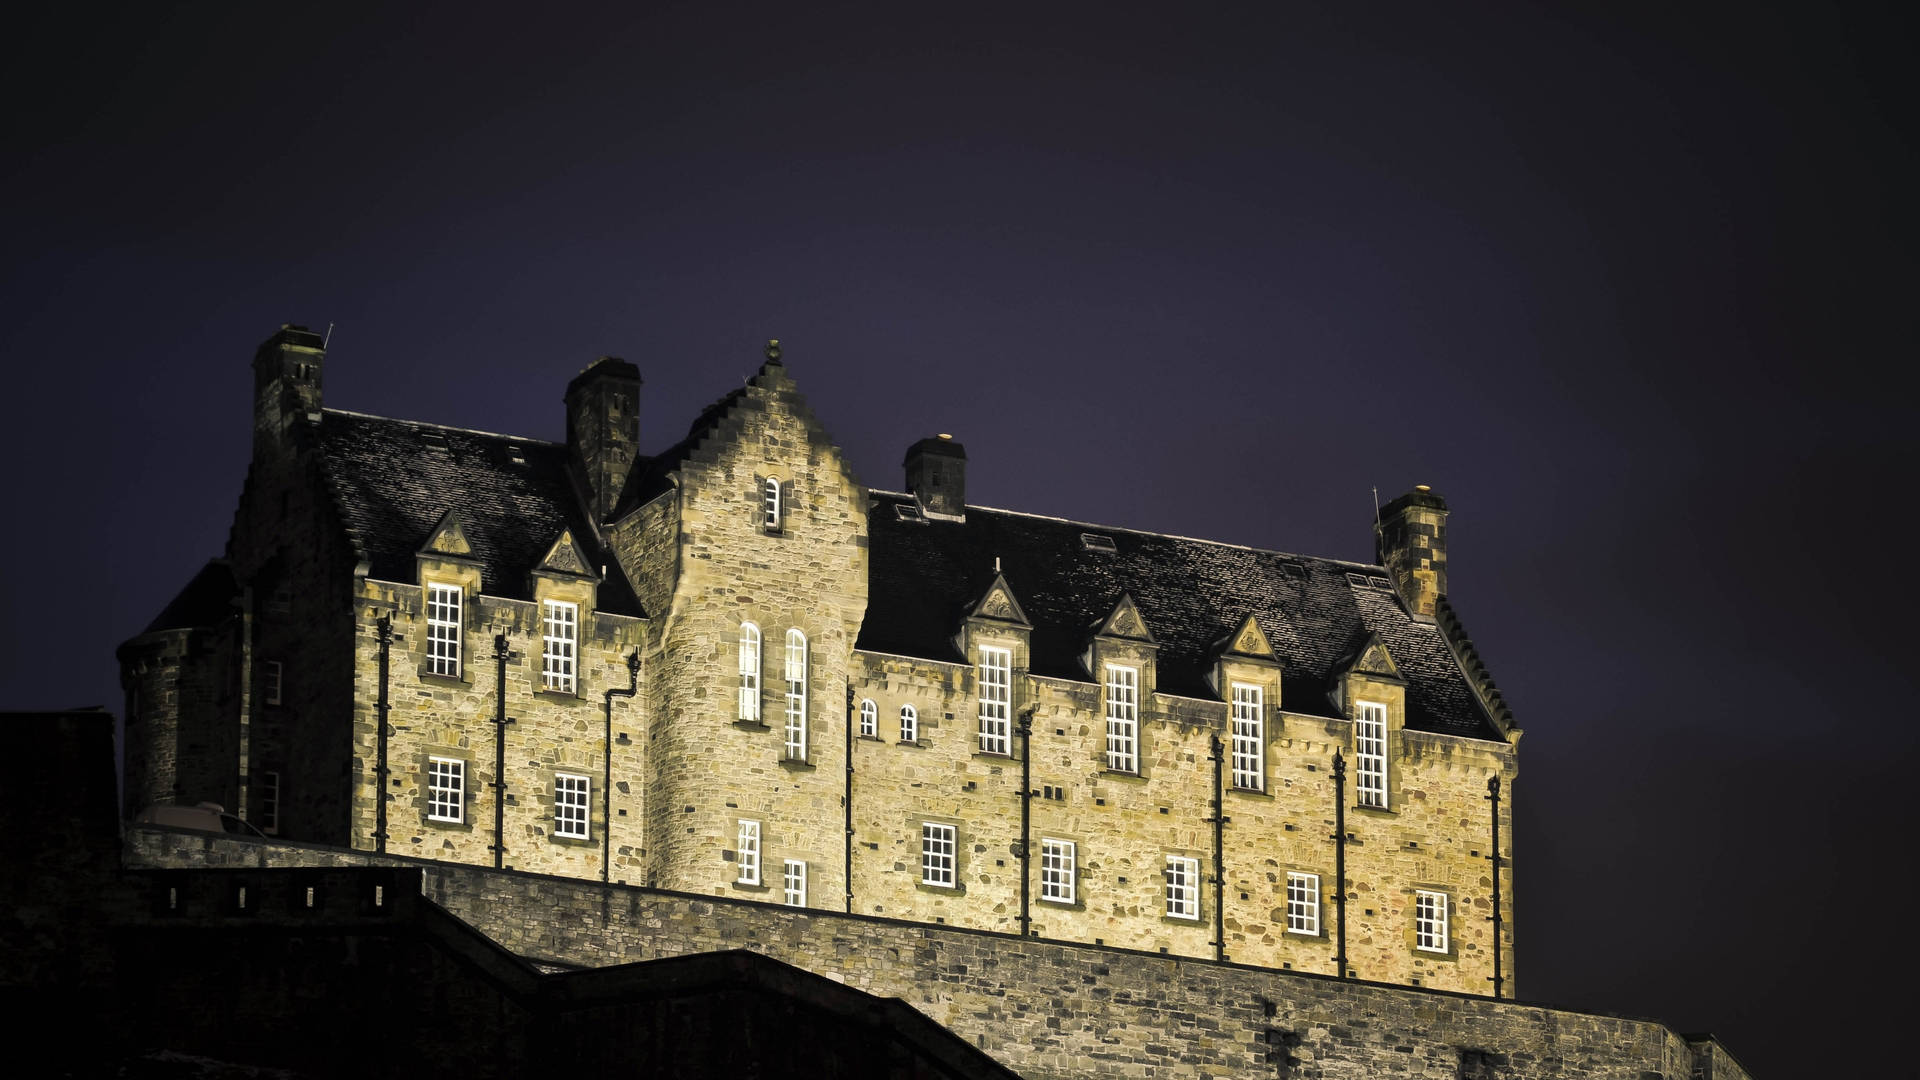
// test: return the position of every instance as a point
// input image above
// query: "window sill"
(918, 745)
(1183, 920)
(994, 755)
(573, 841)
(958, 889)
(870, 738)
(1122, 774)
(797, 764)
(748, 886)
(451, 682)
(1255, 793)
(570, 695)
(751, 725)
(1376, 811)
(1311, 935)
(1064, 905)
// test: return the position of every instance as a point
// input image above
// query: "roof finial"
(773, 350)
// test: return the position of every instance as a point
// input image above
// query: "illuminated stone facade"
(688, 671)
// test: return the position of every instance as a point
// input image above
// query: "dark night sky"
(1630, 289)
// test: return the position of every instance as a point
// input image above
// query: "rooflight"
(908, 512)
(1097, 542)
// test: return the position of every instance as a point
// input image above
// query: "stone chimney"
(1411, 539)
(937, 476)
(603, 429)
(286, 386)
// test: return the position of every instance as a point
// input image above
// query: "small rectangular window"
(1303, 903)
(749, 852)
(794, 890)
(996, 700)
(270, 802)
(1430, 921)
(559, 653)
(937, 847)
(909, 724)
(1056, 870)
(446, 789)
(1123, 718)
(273, 681)
(1249, 738)
(570, 805)
(443, 630)
(1183, 887)
(1370, 754)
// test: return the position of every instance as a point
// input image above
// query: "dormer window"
(771, 504)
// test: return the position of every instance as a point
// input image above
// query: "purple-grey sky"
(1630, 288)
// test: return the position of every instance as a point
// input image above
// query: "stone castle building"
(732, 669)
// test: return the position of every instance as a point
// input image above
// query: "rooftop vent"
(1097, 542)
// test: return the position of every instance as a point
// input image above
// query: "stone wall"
(1046, 1008)
(1435, 832)
(552, 733)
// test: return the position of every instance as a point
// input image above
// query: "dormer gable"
(565, 556)
(1370, 657)
(999, 604)
(1247, 642)
(1245, 656)
(1124, 622)
(447, 540)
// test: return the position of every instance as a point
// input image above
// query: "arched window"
(869, 719)
(771, 502)
(796, 696)
(909, 724)
(749, 671)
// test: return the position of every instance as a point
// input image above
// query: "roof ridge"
(443, 427)
(1150, 532)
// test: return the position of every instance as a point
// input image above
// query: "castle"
(733, 669)
(1091, 800)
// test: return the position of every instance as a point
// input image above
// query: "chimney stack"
(286, 386)
(937, 477)
(1411, 539)
(603, 429)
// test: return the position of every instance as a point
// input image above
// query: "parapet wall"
(1046, 1009)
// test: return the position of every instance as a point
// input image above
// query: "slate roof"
(205, 600)
(391, 481)
(926, 576)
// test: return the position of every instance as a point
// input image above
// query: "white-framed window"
(269, 802)
(909, 724)
(443, 630)
(1183, 887)
(749, 852)
(1123, 718)
(446, 789)
(996, 700)
(749, 671)
(796, 725)
(1056, 870)
(1370, 755)
(570, 805)
(770, 505)
(794, 884)
(1429, 920)
(559, 652)
(1249, 738)
(937, 850)
(275, 682)
(869, 719)
(1303, 903)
